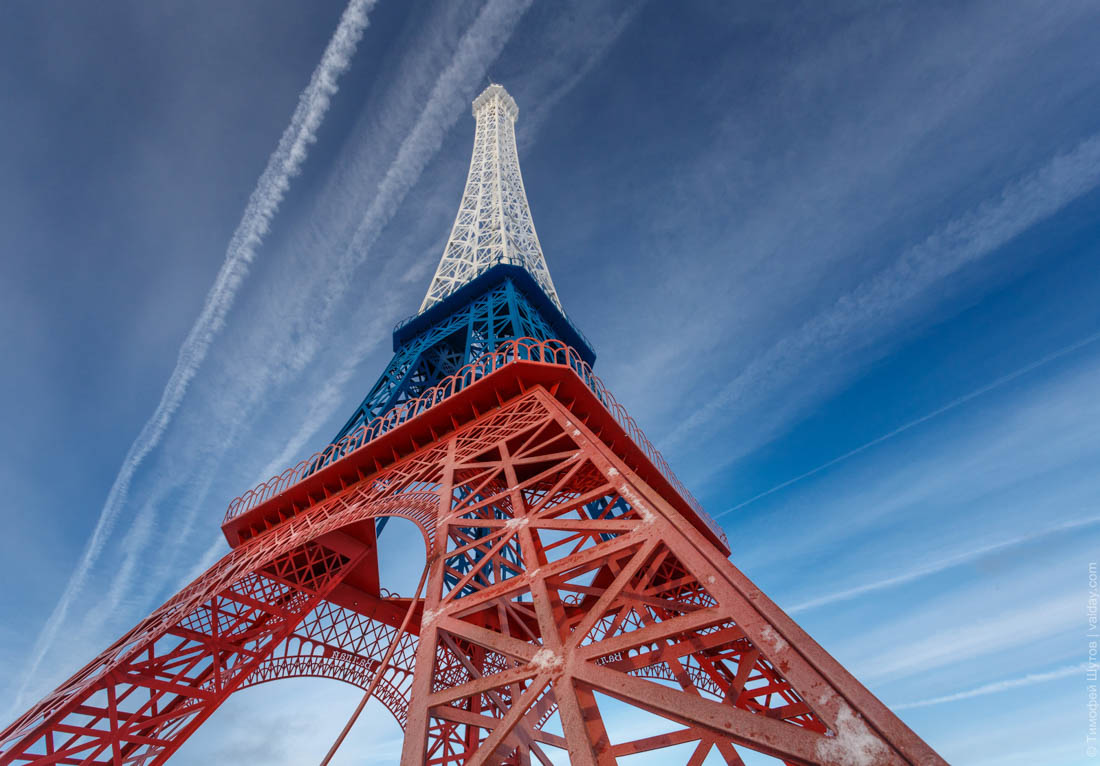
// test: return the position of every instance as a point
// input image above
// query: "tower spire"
(493, 225)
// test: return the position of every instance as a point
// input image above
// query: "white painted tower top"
(493, 224)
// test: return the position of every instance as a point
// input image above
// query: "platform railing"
(553, 352)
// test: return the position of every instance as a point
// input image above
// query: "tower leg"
(639, 608)
(139, 701)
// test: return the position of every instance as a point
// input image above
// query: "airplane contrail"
(479, 45)
(285, 163)
(1000, 686)
(941, 565)
(923, 419)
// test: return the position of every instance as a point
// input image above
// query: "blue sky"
(840, 262)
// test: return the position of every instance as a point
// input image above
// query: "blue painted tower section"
(492, 286)
(501, 304)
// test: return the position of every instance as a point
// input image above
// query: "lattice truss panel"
(238, 624)
(500, 314)
(561, 589)
(334, 642)
(568, 590)
(142, 697)
(494, 220)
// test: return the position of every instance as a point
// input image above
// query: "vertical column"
(413, 750)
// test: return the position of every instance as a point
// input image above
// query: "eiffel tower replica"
(569, 577)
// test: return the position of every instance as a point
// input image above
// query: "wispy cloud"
(1000, 686)
(216, 550)
(880, 304)
(479, 46)
(918, 421)
(285, 163)
(315, 301)
(591, 37)
(133, 549)
(966, 471)
(951, 644)
(941, 565)
(326, 399)
(603, 31)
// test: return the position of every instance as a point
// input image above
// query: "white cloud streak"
(429, 132)
(955, 644)
(941, 565)
(285, 163)
(479, 46)
(1001, 686)
(609, 31)
(879, 305)
(923, 419)
(216, 550)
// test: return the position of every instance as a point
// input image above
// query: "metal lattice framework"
(467, 329)
(570, 575)
(342, 644)
(516, 655)
(551, 351)
(494, 223)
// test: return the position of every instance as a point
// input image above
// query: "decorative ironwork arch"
(340, 644)
(394, 699)
(301, 656)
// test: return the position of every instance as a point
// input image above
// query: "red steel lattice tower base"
(533, 611)
(569, 576)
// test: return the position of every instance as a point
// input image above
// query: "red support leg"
(605, 605)
(143, 697)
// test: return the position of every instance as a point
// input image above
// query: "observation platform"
(486, 384)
